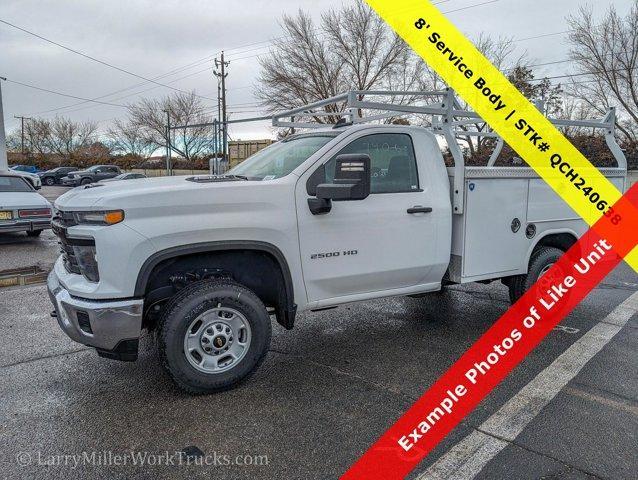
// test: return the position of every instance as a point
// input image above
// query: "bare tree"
(351, 49)
(125, 138)
(606, 56)
(149, 117)
(66, 137)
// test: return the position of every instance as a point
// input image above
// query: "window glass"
(14, 184)
(281, 158)
(393, 166)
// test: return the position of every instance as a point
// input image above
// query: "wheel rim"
(545, 269)
(50, 181)
(217, 340)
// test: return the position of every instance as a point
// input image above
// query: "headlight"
(110, 217)
(85, 256)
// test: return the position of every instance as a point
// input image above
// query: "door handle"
(419, 209)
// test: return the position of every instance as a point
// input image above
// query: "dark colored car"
(55, 175)
(124, 176)
(91, 175)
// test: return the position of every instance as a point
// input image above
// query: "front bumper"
(24, 225)
(70, 182)
(112, 327)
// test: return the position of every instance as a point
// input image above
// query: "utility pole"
(4, 164)
(22, 119)
(169, 168)
(222, 74)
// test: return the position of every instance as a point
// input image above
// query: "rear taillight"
(35, 213)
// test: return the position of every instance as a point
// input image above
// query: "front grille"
(61, 221)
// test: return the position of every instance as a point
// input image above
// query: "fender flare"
(289, 310)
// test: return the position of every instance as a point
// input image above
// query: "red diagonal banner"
(503, 346)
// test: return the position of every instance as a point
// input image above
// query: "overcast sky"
(152, 38)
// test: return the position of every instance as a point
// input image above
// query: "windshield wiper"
(241, 177)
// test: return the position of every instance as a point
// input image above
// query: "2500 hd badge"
(317, 256)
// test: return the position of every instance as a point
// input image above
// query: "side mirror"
(351, 182)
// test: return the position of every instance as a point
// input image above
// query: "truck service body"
(326, 217)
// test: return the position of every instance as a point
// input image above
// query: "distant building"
(240, 150)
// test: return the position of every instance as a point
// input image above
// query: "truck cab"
(329, 216)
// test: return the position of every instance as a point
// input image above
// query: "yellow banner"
(503, 107)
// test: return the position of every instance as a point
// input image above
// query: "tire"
(49, 181)
(34, 233)
(542, 258)
(218, 299)
(85, 181)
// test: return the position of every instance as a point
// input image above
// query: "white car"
(22, 209)
(32, 178)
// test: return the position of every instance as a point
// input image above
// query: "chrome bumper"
(25, 225)
(112, 327)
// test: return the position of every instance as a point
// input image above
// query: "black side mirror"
(351, 182)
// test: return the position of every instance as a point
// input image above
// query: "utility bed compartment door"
(490, 245)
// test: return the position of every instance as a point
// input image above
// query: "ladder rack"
(447, 117)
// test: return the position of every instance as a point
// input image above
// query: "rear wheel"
(213, 335)
(542, 260)
(34, 233)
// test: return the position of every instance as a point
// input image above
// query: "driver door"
(369, 245)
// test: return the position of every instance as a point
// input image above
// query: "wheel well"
(259, 270)
(562, 241)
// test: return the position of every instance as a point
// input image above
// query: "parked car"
(90, 175)
(319, 219)
(124, 176)
(32, 178)
(55, 175)
(24, 168)
(22, 209)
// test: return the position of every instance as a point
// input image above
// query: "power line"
(102, 62)
(167, 74)
(63, 94)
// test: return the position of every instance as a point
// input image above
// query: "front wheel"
(213, 335)
(542, 260)
(49, 181)
(85, 181)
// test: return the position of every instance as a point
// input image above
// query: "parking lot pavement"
(326, 391)
(51, 193)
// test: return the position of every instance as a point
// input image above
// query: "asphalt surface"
(325, 392)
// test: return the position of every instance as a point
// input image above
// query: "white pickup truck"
(326, 217)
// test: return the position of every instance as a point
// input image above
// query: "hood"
(158, 192)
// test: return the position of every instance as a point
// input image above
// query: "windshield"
(92, 169)
(281, 158)
(14, 184)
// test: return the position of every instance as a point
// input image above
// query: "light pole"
(168, 142)
(4, 164)
(22, 119)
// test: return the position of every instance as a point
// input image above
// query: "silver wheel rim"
(217, 340)
(545, 269)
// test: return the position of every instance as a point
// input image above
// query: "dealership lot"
(326, 391)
